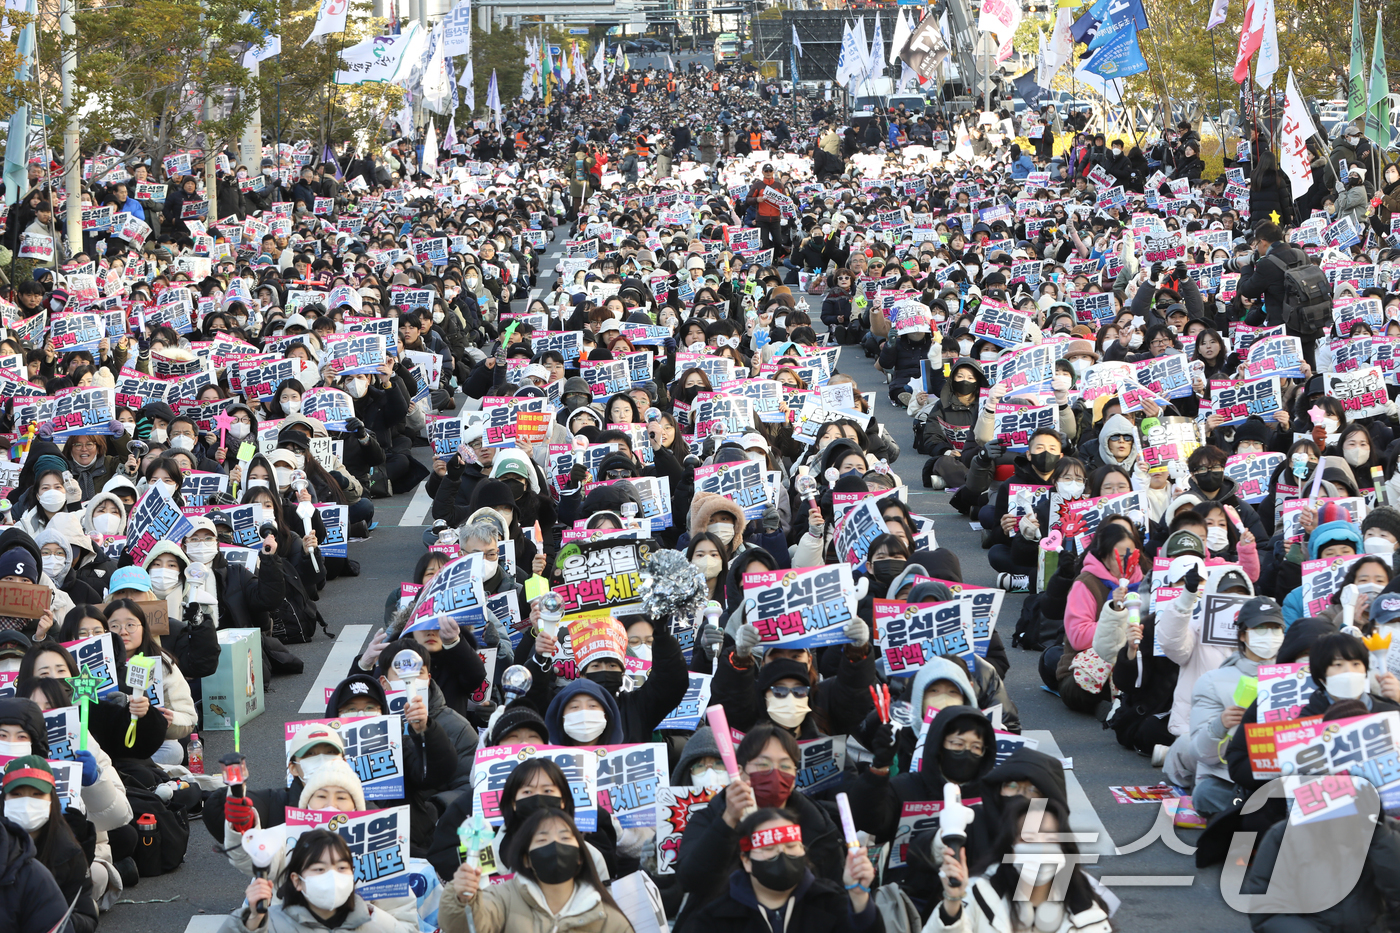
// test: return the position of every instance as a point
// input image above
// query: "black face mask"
(610, 681)
(555, 863)
(964, 388)
(1044, 460)
(687, 394)
(781, 873)
(1211, 481)
(516, 486)
(884, 571)
(524, 806)
(958, 766)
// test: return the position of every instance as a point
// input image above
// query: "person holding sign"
(32, 803)
(33, 899)
(315, 889)
(554, 886)
(775, 880)
(767, 759)
(127, 620)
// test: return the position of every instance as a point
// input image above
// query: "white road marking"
(1083, 818)
(343, 652)
(205, 923)
(417, 511)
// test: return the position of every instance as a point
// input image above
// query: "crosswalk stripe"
(205, 923)
(416, 512)
(345, 650)
(1083, 818)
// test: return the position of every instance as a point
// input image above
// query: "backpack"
(1307, 297)
(161, 850)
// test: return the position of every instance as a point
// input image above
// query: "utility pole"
(72, 159)
(211, 154)
(250, 147)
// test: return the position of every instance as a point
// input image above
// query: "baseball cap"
(309, 736)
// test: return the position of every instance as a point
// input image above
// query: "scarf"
(85, 474)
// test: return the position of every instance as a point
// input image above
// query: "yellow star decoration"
(1273, 215)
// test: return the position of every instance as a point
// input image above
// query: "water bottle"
(196, 754)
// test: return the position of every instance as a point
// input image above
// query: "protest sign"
(445, 434)
(360, 353)
(197, 486)
(1167, 376)
(606, 378)
(911, 634)
(1362, 746)
(715, 412)
(821, 764)
(686, 714)
(1323, 577)
(1362, 392)
(1274, 356)
(96, 654)
(501, 414)
(600, 575)
(1284, 689)
(77, 331)
(336, 518)
(1013, 426)
(862, 525)
(742, 482)
(1082, 517)
(456, 591)
(804, 608)
(378, 843)
(332, 407)
(674, 808)
(373, 749)
(154, 517)
(493, 765)
(997, 323)
(1251, 473)
(628, 779)
(1236, 402)
(261, 378)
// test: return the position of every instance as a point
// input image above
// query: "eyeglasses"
(764, 763)
(634, 641)
(781, 693)
(124, 628)
(961, 745)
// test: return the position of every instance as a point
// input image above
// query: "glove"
(143, 427)
(1181, 272)
(355, 426)
(858, 632)
(882, 751)
(90, 771)
(239, 813)
(994, 451)
(72, 491)
(745, 640)
(1192, 580)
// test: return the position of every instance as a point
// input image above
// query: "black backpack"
(160, 848)
(1307, 297)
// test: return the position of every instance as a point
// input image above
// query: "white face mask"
(1060, 382)
(1217, 538)
(722, 530)
(711, 778)
(988, 356)
(329, 890)
(709, 565)
(105, 523)
(1264, 642)
(641, 652)
(585, 725)
(52, 499)
(1070, 488)
(1348, 686)
(964, 347)
(15, 749)
(1381, 547)
(55, 565)
(292, 407)
(202, 551)
(314, 763)
(257, 484)
(158, 435)
(789, 711)
(1081, 365)
(1331, 424)
(356, 388)
(284, 477)
(489, 568)
(164, 579)
(439, 317)
(473, 282)
(1117, 151)
(238, 430)
(182, 442)
(1357, 455)
(1135, 341)
(28, 813)
(1045, 868)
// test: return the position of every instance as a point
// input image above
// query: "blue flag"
(1119, 12)
(1119, 57)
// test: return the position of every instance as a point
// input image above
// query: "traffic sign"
(578, 31)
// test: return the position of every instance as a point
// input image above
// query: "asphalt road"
(1159, 888)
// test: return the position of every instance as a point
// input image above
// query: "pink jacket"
(1248, 555)
(1082, 609)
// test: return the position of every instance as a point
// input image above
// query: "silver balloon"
(515, 681)
(672, 588)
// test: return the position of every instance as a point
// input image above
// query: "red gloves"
(240, 814)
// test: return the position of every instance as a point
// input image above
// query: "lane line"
(342, 654)
(416, 512)
(1083, 818)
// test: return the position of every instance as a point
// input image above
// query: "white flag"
(862, 63)
(670, 62)
(449, 139)
(877, 51)
(847, 63)
(1218, 11)
(902, 32)
(600, 59)
(1267, 62)
(468, 83)
(566, 74)
(1297, 129)
(430, 150)
(437, 89)
(493, 97)
(329, 18)
(1000, 17)
(796, 42)
(459, 29)
(1061, 42)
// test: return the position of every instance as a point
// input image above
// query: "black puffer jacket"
(30, 898)
(902, 356)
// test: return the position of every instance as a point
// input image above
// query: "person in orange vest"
(632, 86)
(643, 147)
(755, 140)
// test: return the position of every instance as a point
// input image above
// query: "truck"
(727, 50)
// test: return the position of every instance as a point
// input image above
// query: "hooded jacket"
(950, 410)
(105, 800)
(30, 898)
(298, 918)
(1338, 532)
(1119, 424)
(519, 906)
(554, 716)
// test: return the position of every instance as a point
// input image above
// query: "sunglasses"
(782, 693)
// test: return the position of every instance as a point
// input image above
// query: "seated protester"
(633, 714)
(444, 725)
(495, 494)
(1144, 681)
(93, 459)
(1331, 535)
(991, 896)
(1213, 710)
(959, 746)
(1365, 905)
(20, 563)
(1208, 482)
(313, 746)
(768, 759)
(48, 495)
(184, 435)
(31, 803)
(1369, 575)
(428, 566)
(838, 703)
(774, 888)
(57, 555)
(246, 599)
(1115, 554)
(314, 891)
(1026, 773)
(33, 899)
(127, 621)
(1343, 663)
(724, 518)
(1226, 542)
(296, 618)
(554, 886)
(335, 786)
(986, 678)
(940, 683)
(1035, 468)
(942, 430)
(1020, 554)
